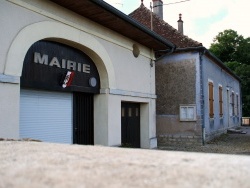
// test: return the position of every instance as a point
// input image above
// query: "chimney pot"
(180, 24)
(158, 8)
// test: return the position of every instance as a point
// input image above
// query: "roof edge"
(133, 22)
(210, 55)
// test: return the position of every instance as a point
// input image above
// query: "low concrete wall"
(32, 164)
(171, 140)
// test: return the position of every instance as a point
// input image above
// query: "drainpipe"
(166, 53)
(201, 53)
(240, 110)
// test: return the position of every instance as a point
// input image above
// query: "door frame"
(83, 118)
(130, 124)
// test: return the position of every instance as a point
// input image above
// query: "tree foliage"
(234, 51)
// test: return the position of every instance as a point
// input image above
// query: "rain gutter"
(212, 56)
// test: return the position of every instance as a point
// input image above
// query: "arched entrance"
(64, 34)
(58, 83)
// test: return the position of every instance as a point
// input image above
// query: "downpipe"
(202, 97)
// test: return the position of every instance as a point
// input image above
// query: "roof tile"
(143, 15)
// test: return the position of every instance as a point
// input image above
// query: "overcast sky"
(203, 19)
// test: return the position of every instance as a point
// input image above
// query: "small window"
(187, 113)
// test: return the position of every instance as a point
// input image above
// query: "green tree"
(234, 51)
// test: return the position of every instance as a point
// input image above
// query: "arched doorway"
(71, 36)
(58, 83)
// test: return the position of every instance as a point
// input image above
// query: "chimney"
(180, 24)
(158, 8)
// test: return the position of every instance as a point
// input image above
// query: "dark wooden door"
(83, 119)
(130, 122)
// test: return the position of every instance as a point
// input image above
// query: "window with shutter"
(220, 101)
(211, 99)
(233, 110)
(237, 105)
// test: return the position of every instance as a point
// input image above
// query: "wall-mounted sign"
(64, 64)
(55, 66)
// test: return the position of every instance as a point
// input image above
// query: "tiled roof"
(143, 15)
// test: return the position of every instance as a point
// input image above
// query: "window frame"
(187, 106)
(233, 103)
(221, 101)
(211, 98)
(237, 105)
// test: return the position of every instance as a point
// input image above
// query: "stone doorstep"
(235, 131)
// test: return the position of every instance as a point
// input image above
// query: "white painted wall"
(9, 110)
(123, 77)
(108, 110)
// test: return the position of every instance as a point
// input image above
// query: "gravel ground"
(225, 144)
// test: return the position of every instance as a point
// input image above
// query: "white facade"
(123, 77)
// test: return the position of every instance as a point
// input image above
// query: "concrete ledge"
(38, 164)
(9, 79)
(127, 93)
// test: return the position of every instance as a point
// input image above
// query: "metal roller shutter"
(46, 116)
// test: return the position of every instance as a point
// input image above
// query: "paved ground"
(37, 164)
(227, 144)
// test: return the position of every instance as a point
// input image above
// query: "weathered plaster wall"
(219, 77)
(175, 83)
(175, 86)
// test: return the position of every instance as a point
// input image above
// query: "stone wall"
(175, 85)
(172, 140)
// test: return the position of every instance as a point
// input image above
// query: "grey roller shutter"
(46, 116)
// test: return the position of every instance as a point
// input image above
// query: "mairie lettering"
(64, 64)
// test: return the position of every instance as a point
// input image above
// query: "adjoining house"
(198, 97)
(77, 72)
